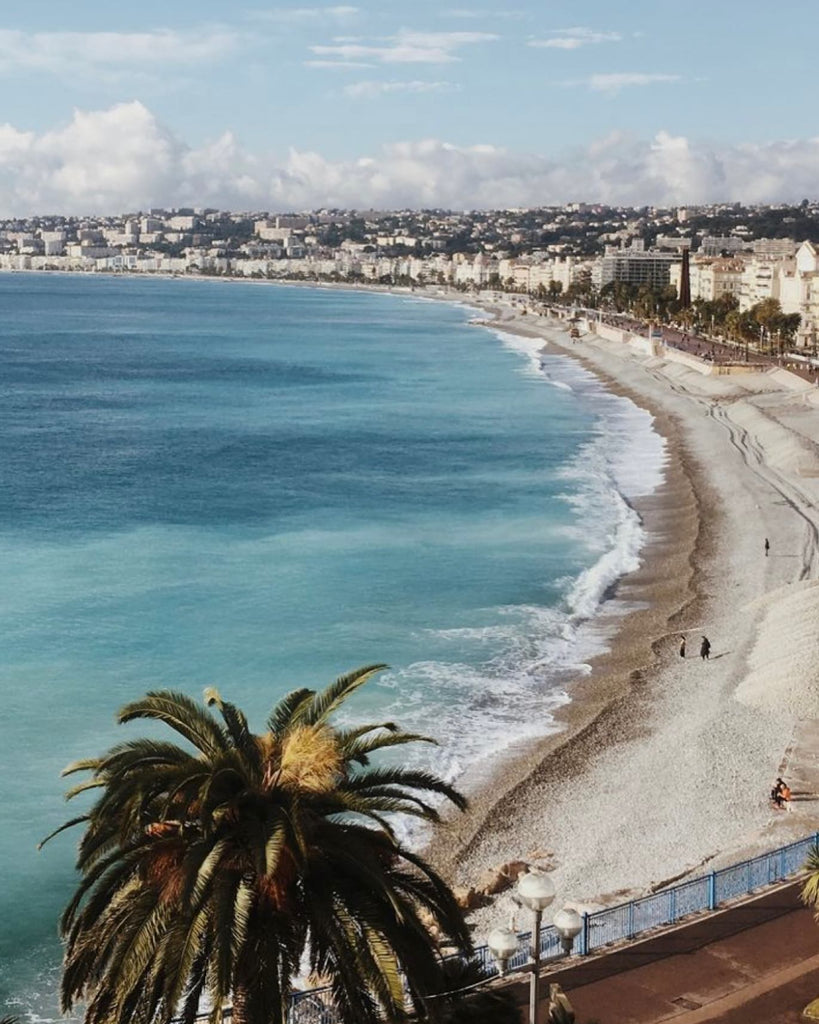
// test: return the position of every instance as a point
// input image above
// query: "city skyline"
(286, 107)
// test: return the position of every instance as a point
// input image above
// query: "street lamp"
(503, 944)
(568, 925)
(536, 891)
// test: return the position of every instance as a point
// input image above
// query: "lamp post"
(535, 891)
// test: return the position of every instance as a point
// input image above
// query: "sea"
(255, 487)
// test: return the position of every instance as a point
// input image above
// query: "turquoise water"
(261, 487)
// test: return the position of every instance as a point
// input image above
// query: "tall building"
(634, 266)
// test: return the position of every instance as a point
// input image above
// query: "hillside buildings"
(751, 253)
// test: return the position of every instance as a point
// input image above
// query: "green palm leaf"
(330, 699)
(182, 714)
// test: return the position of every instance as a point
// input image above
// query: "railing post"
(583, 945)
(782, 862)
(672, 905)
(630, 925)
(712, 891)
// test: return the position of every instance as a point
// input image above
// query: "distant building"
(672, 242)
(774, 247)
(716, 245)
(711, 277)
(634, 266)
(760, 281)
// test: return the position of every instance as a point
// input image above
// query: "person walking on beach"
(705, 649)
(682, 645)
(767, 546)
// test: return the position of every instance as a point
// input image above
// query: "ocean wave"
(512, 697)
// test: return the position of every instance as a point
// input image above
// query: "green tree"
(219, 870)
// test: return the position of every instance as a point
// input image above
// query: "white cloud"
(61, 52)
(470, 13)
(302, 14)
(613, 83)
(574, 38)
(337, 65)
(371, 90)
(124, 159)
(405, 47)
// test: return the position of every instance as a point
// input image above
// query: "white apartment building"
(760, 280)
(716, 245)
(183, 222)
(672, 242)
(53, 242)
(799, 292)
(774, 247)
(711, 277)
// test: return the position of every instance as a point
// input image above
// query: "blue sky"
(387, 102)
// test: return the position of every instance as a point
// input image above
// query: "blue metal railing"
(615, 924)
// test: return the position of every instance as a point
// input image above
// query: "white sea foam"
(512, 697)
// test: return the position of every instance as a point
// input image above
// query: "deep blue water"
(261, 487)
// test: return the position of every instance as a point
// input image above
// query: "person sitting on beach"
(776, 793)
(785, 795)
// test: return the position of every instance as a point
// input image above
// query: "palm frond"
(183, 715)
(287, 709)
(373, 779)
(333, 696)
(810, 890)
(360, 749)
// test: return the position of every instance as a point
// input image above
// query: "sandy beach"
(664, 765)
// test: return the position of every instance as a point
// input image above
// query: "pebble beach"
(664, 764)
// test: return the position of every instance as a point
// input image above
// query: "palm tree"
(810, 890)
(216, 872)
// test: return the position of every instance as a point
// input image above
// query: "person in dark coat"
(682, 646)
(705, 649)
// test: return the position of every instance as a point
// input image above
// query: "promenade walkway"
(754, 963)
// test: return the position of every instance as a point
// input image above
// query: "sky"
(109, 107)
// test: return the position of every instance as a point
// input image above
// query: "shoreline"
(601, 699)
(607, 784)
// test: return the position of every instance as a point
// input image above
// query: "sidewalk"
(755, 963)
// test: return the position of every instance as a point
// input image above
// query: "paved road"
(757, 963)
(705, 348)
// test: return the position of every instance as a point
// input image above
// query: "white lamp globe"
(503, 944)
(536, 890)
(568, 923)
